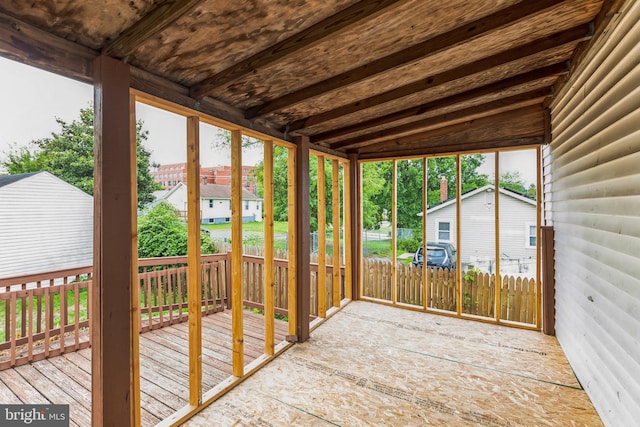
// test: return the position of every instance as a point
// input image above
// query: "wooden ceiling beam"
(307, 37)
(439, 43)
(528, 77)
(503, 104)
(573, 35)
(526, 122)
(151, 24)
(30, 45)
(456, 148)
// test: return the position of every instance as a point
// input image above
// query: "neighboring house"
(46, 225)
(517, 229)
(215, 203)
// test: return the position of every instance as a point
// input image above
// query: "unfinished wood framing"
(335, 202)
(292, 215)
(112, 362)
(135, 289)
(425, 206)
(194, 270)
(348, 229)
(394, 230)
(322, 239)
(236, 253)
(539, 236)
(303, 250)
(496, 202)
(458, 235)
(269, 279)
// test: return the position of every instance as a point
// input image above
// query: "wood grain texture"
(306, 37)
(322, 239)
(236, 253)
(194, 269)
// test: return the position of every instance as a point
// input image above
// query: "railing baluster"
(76, 298)
(48, 319)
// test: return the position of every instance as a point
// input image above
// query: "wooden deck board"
(164, 370)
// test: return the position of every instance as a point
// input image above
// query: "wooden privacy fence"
(253, 290)
(48, 314)
(517, 294)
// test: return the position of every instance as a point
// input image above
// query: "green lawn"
(280, 227)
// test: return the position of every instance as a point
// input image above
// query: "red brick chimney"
(443, 189)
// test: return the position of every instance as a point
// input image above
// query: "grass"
(280, 227)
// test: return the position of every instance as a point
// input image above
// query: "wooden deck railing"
(517, 294)
(45, 315)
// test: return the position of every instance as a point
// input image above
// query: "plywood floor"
(163, 364)
(373, 365)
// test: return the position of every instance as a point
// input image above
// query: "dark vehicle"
(439, 255)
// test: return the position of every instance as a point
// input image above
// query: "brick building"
(169, 175)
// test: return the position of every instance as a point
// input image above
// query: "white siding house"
(517, 230)
(46, 225)
(215, 203)
(592, 200)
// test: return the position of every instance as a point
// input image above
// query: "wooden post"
(322, 240)
(135, 281)
(458, 272)
(269, 285)
(303, 270)
(355, 230)
(496, 203)
(111, 361)
(194, 269)
(538, 296)
(292, 279)
(394, 220)
(548, 281)
(348, 229)
(425, 205)
(335, 193)
(236, 254)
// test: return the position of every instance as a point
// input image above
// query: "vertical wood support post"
(355, 197)
(112, 359)
(496, 203)
(458, 236)
(548, 281)
(348, 230)
(237, 324)
(539, 194)
(394, 230)
(135, 288)
(303, 230)
(292, 276)
(269, 285)
(335, 204)
(425, 205)
(194, 265)
(322, 240)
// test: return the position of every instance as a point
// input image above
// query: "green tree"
(68, 155)
(161, 233)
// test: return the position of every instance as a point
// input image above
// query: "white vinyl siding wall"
(592, 185)
(45, 225)
(478, 227)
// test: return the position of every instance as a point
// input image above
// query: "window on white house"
(444, 231)
(210, 203)
(530, 235)
(246, 205)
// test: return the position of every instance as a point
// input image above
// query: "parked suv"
(439, 255)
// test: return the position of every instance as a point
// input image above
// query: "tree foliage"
(161, 233)
(68, 154)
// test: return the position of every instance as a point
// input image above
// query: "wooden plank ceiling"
(380, 78)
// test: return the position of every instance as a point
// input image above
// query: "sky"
(31, 99)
